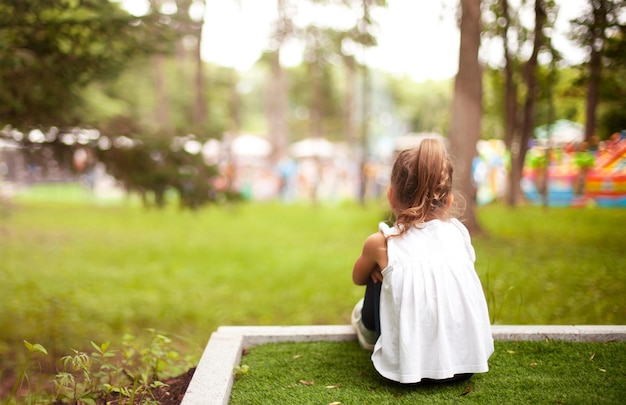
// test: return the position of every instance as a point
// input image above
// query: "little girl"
(424, 313)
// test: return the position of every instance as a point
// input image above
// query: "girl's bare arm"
(373, 258)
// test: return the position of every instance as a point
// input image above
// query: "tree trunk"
(200, 107)
(276, 91)
(364, 129)
(162, 99)
(593, 94)
(528, 120)
(317, 102)
(599, 11)
(467, 109)
(234, 104)
(511, 120)
(522, 132)
(276, 107)
(349, 102)
(364, 23)
(510, 88)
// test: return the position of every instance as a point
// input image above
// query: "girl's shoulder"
(458, 224)
(386, 230)
(374, 246)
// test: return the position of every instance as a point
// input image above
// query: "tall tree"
(349, 44)
(593, 30)
(365, 37)
(322, 49)
(350, 64)
(276, 90)
(520, 73)
(318, 50)
(613, 89)
(192, 13)
(528, 112)
(162, 115)
(511, 119)
(467, 108)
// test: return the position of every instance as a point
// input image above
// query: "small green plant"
(85, 378)
(142, 365)
(240, 371)
(77, 381)
(23, 375)
(106, 371)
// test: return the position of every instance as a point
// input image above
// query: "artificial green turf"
(548, 372)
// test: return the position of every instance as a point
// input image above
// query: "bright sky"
(418, 38)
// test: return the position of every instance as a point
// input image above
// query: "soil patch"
(171, 394)
(175, 390)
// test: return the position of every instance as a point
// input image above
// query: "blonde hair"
(421, 183)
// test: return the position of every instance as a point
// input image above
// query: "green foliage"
(567, 92)
(87, 378)
(320, 99)
(128, 103)
(152, 166)
(240, 371)
(424, 106)
(613, 87)
(74, 383)
(250, 88)
(520, 373)
(23, 373)
(602, 31)
(50, 50)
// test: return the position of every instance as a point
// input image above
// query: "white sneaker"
(367, 338)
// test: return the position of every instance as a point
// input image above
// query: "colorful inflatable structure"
(575, 175)
(606, 184)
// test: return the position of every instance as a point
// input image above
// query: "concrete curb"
(213, 379)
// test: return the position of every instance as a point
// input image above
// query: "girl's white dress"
(433, 313)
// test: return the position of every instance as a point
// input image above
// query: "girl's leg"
(370, 314)
(429, 381)
(455, 379)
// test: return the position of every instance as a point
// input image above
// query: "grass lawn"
(78, 269)
(548, 372)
